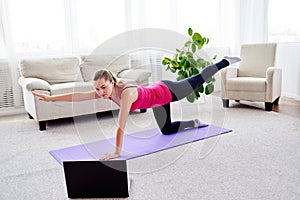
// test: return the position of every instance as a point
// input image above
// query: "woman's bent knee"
(166, 131)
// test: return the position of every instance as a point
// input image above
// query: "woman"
(157, 96)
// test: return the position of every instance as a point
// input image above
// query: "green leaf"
(189, 54)
(195, 71)
(213, 79)
(184, 74)
(197, 38)
(186, 64)
(179, 78)
(176, 57)
(209, 80)
(180, 73)
(191, 97)
(182, 61)
(173, 70)
(193, 48)
(200, 46)
(166, 61)
(197, 94)
(200, 60)
(188, 43)
(193, 62)
(209, 89)
(200, 89)
(174, 63)
(201, 63)
(181, 53)
(190, 31)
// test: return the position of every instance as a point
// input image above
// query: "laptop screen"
(96, 179)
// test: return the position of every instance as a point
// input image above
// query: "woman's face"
(104, 88)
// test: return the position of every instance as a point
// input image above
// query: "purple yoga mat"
(136, 144)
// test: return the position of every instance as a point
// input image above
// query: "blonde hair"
(107, 75)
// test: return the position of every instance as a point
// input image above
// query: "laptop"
(96, 179)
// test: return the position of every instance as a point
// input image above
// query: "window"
(98, 21)
(283, 22)
(200, 15)
(151, 14)
(37, 26)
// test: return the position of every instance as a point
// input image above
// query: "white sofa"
(54, 76)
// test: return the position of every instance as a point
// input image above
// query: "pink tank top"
(151, 96)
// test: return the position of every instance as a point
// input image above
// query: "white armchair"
(256, 78)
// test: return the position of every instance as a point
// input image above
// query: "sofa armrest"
(138, 75)
(33, 84)
(274, 79)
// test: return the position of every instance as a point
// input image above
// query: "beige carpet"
(260, 159)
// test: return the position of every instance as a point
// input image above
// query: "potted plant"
(186, 63)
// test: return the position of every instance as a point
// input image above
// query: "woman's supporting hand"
(109, 156)
(42, 97)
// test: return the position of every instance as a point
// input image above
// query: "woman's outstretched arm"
(76, 96)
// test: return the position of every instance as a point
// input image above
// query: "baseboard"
(293, 96)
(12, 111)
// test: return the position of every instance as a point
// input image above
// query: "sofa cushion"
(63, 88)
(128, 81)
(247, 84)
(90, 64)
(52, 70)
(138, 75)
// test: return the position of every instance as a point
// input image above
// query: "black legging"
(179, 90)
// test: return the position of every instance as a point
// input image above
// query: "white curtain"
(242, 21)
(254, 21)
(9, 56)
(34, 28)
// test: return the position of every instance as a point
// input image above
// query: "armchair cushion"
(247, 84)
(34, 84)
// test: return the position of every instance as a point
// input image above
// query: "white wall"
(288, 58)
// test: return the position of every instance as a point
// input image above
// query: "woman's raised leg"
(181, 89)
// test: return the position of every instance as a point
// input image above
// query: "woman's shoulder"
(126, 87)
